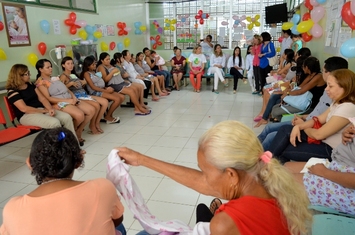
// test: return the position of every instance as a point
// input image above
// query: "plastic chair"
(331, 222)
(10, 134)
(12, 117)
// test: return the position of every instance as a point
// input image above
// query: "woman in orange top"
(263, 197)
(61, 205)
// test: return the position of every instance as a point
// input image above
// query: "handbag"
(302, 102)
(273, 60)
(316, 125)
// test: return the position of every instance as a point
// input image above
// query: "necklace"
(53, 180)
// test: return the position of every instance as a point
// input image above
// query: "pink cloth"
(256, 50)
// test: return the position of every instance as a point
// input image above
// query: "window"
(220, 23)
(83, 5)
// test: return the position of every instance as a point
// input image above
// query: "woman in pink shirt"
(61, 205)
(256, 50)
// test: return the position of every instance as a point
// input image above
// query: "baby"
(12, 27)
(159, 59)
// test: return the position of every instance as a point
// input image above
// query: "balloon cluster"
(122, 29)
(71, 23)
(155, 41)
(90, 33)
(347, 49)
(157, 26)
(201, 16)
(169, 24)
(239, 21)
(253, 22)
(139, 28)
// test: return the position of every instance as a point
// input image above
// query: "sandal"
(92, 133)
(215, 204)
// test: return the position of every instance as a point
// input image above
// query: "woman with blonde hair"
(263, 197)
(197, 62)
(217, 63)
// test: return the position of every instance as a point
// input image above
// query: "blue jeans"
(267, 135)
(122, 229)
(167, 76)
(284, 151)
(274, 99)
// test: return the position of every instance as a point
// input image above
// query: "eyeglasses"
(26, 74)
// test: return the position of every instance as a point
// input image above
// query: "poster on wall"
(16, 24)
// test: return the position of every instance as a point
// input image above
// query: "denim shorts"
(97, 93)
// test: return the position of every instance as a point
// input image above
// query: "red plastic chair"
(12, 116)
(12, 133)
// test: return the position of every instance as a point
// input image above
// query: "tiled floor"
(170, 133)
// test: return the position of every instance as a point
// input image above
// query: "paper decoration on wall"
(253, 22)
(201, 16)
(184, 20)
(169, 24)
(239, 21)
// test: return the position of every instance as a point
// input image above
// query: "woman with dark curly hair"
(60, 204)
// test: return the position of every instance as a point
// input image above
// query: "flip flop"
(92, 133)
(115, 120)
(140, 114)
(215, 204)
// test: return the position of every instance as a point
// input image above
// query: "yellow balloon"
(298, 12)
(2, 54)
(287, 25)
(257, 23)
(250, 26)
(70, 53)
(166, 28)
(127, 42)
(97, 34)
(278, 49)
(305, 26)
(167, 21)
(173, 21)
(172, 28)
(248, 19)
(104, 46)
(32, 58)
(143, 28)
(257, 17)
(83, 34)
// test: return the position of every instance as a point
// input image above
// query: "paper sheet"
(313, 161)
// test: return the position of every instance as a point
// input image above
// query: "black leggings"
(203, 213)
(263, 75)
(236, 75)
(256, 70)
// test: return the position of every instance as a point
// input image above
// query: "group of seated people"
(259, 176)
(73, 100)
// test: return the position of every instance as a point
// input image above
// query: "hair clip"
(61, 136)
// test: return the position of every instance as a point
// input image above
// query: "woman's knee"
(78, 115)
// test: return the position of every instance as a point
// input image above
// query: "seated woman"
(217, 63)
(96, 87)
(314, 83)
(178, 63)
(197, 62)
(236, 66)
(60, 203)
(75, 85)
(287, 62)
(137, 63)
(263, 197)
(30, 106)
(142, 63)
(334, 185)
(62, 98)
(291, 142)
(112, 77)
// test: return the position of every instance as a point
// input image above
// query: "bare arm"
(331, 127)
(151, 65)
(91, 84)
(21, 105)
(107, 77)
(188, 177)
(309, 124)
(53, 100)
(222, 223)
(306, 86)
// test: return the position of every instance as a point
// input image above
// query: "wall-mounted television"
(276, 14)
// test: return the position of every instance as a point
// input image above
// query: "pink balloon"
(317, 13)
(224, 23)
(317, 31)
(243, 24)
(314, 3)
(243, 17)
(352, 6)
(128, 29)
(235, 17)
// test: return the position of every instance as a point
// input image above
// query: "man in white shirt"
(287, 41)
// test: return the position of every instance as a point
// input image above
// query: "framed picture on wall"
(16, 24)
